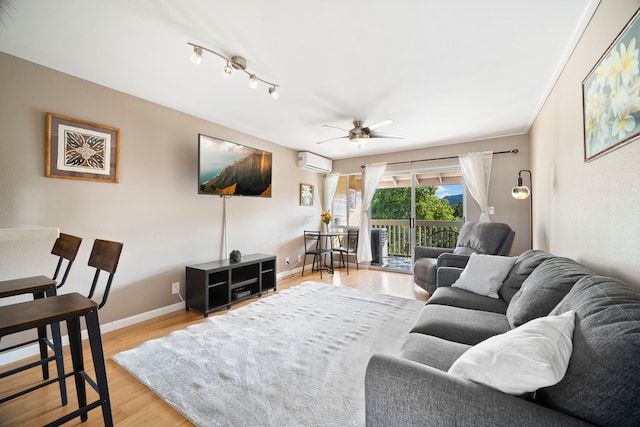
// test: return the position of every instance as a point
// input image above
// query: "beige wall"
(586, 211)
(155, 209)
(504, 173)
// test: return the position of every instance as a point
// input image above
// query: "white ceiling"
(444, 71)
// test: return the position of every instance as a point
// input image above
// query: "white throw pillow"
(484, 274)
(529, 357)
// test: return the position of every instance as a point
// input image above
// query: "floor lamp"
(522, 192)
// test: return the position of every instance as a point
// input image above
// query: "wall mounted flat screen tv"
(228, 168)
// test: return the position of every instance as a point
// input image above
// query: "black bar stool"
(66, 248)
(70, 308)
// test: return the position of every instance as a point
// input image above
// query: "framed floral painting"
(306, 195)
(611, 95)
(77, 149)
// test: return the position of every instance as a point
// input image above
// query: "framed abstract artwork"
(611, 95)
(306, 195)
(77, 149)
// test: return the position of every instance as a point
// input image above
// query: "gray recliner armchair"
(491, 238)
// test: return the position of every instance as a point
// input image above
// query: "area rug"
(296, 358)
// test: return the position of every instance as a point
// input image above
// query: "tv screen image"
(228, 168)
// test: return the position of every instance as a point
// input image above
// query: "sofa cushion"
(457, 297)
(522, 360)
(459, 324)
(432, 351)
(602, 384)
(524, 266)
(484, 274)
(543, 289)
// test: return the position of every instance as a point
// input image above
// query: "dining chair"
(313, 246)
(348, 246)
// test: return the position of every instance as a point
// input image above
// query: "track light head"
(253, 81)
(196, 56)
(228, 71)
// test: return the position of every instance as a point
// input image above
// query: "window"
(347, 202)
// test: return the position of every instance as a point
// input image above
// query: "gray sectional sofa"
(601, 385)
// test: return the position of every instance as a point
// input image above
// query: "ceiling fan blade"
(384, 135)
(379, 125)
(331, 139)
(335, 127)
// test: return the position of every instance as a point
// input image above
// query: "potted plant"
(234, 256)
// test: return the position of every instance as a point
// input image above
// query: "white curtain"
(476, 172)
(372, 176)
(330, 185)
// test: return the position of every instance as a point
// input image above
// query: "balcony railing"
(443, 234)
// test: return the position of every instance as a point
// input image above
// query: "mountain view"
(453, 200)
(249, 176)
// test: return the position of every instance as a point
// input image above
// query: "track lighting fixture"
(237, 63)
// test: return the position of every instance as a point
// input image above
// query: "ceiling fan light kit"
(235, 62)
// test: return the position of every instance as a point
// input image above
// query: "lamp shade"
(520, 192)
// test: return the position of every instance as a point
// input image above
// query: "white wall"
(154, 210)
(589, 211)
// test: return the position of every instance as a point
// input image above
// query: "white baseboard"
(32, 350)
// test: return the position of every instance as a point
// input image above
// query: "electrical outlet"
(286, 260)
(299, 257)
(175, 288)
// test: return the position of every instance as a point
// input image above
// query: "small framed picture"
(77, 149)
(306, 195)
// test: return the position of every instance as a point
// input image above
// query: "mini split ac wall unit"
(313, 162)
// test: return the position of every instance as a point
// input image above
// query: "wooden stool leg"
(97, 353)
(75, 344)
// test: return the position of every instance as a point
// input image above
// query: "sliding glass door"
(417, 207)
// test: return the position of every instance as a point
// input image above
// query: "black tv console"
(217, 284)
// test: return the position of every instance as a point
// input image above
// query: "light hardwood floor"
(132, 403)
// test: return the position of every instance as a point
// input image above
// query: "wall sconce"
(237, 63)
(522, 192)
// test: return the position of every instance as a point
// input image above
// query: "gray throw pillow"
(524, 266)
(602, 384)
(543, 289)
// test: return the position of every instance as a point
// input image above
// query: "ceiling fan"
(360, 134)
